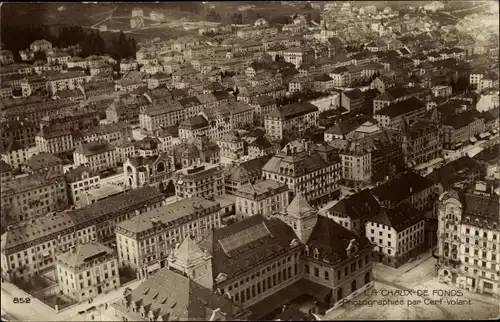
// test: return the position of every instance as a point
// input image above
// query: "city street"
(41, 312)
(426, 302)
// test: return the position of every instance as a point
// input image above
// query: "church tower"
(191, 261)
(301, 217)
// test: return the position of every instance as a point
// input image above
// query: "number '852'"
(21, 300)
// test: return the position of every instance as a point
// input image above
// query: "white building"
(469, 239)
(87, 270)
(265, 198)
(98, 156)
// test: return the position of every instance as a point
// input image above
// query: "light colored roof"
(299, 206)
(83, 253)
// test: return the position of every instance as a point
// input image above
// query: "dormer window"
(306, 250)
(316, 253)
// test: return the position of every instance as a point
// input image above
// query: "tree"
(40, 55)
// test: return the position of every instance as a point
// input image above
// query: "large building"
(315, 172)
(145, 241)
(266, 198)
(98, 155)
(294, 118)
(422, 142)
(30, 248)
(200, 180)
(183, 299)
(295, 253)
(35, 195)
(87, 270)
(469, 239)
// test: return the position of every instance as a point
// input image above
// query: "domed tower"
(192, 262)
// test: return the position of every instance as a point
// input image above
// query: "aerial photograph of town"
(250, 161)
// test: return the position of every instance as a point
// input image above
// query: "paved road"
(402, 287)
(40, 312)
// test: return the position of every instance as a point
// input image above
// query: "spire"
(299, 206)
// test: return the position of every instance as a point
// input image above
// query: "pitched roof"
(332, 240)
(168, 296)
(83, 253)
(243, 245)
(401, 108)
(293, 110)
(93, 148)
(43, 160)
(4, 167)
(401, 187)
(299, 206)
(460, 120)
(400, 217)
(362, 204)
(188, 252)
(455, 172)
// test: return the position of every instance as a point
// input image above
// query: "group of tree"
(17, 37)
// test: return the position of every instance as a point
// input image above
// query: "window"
(316, 272)
(327, 275)
(307, 268)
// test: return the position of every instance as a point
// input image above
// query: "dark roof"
(172, 296)
(294, 110)
(75, 174)
(354, 94)
(463, 119)
(401, 188)
(482, 207)
(489, 155)
(401, 108)
(347, 126)
(4, 167)
(262, 143)
(43, 160)
(193, 123)
(359, 205)
(400, 217)
(332, 240)
(292, 313)
(270, 238)
(455, 171)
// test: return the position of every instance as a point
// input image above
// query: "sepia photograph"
(249, 161)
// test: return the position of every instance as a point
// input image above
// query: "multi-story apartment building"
(61, 81)
(469, 239)
(460, 128)
(155, 117)
(200, 180)
(314, 172)
(87, 270)
(356, 162)
(79, 180)
(5, 172)
(34, 195)
(34, 108)
(21, 131)
(294, 118)
(262, 106)
(219, 121)
(244, 173)
(112, 133)
(156, 170)
(298, 56)
(397, 233)
(56, 140)
(43, 238)
(98, 155)
(193, 127)
(421, 142)
(266, 197)
(14, 153)
(394, 115)
(231, 148)
(398, 94)
(257, 32)
(145, 242)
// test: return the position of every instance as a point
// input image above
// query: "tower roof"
(299, 206)
(188, 251)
